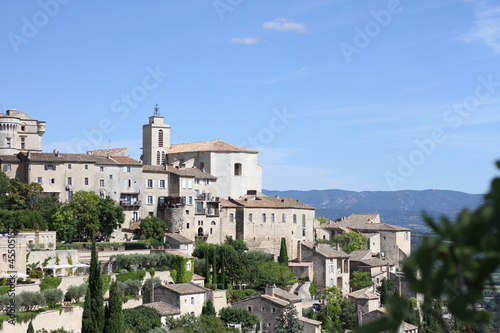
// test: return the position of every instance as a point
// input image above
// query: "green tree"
(208, 309)
(111, 217)
(85, 208)
(283, 257)
(30, 327)
(65, 224)
(322, 219)
(23, 196)
(270, 273)
(232, 315)
(142, 320)
(113, 313)
(288, 321)
(4, 188)
(153, 227)
(351, 241)
(93, 310)
(360, 280)
(214, 267)
(53, 297)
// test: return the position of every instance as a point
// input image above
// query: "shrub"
(50, 282)
(75, 293)
(3, 281)
(137, 275)
(52, 297)
(35, 273)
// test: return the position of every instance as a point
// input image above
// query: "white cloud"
(245, 41)
(284, 24)
(486, 26)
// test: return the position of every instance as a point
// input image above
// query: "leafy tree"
(111, 217)
(113, 311)
(30, 327)
(452, 267)
(65, 224)
(288, 321)
(4, 187)
(74, 293)
(312, 289)
(153, 227)
(360, 280)
(270, 273)
(351, 241)
(142, 320)
(52, 297)
(202, 324)
(208, 309)
(214, 267)
(232, 315)
(23, 196)
(238, 244)
(30, 299)
(322, 219)
(387, 290)
(93, 310)
(85, 208)
(283, 257)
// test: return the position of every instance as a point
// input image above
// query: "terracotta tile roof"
(198, 277)
(186, 288)
(359, 255)
(208, 146)
(179, 238)
(276, 300)
(362, 223)
(9, 158)
(125, 160)
(375, 262)
(82, 158)
(163, 308)
(325, 250)
(178, 253)
(365, 293)
(110, 152)
(266, 202)
(227, 204)
(285, 295)
(408, 326)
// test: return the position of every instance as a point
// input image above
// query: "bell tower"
(155, 139)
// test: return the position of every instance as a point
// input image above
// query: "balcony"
(212, 211)
(202, 196)
(130, 203)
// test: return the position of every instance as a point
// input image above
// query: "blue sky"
(372, 95)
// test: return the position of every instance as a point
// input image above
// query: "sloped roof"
(9, 158)
(365, 293)
(408, 326)
(276, 300)
(208, 146)
(375, 262)
(163, 308)
(179, 238)
(285, 295)
(326, 250)
(359, 255)
(310, 321)
(110, 152)
(265, 202)
(182, 172)
(186, 288)
(363, 223)
(82, 158)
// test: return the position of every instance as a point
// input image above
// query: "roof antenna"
(157, 111)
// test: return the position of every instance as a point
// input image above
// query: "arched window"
(231, 217)
(162, 157)
(263, 217)
(272, 217)
(237, 169)
(158, 158)
(160, 138)
(250, 217)
(283, 217)
(294, 218)
(303, 220)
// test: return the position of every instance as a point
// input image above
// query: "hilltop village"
(207, 193)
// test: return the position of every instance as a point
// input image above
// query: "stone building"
(395, 242)
(20, 133)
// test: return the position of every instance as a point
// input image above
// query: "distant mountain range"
(401, 208)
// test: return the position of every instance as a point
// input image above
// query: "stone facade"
(20, 133)
(13, 254)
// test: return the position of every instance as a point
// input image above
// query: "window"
(101, 169)
(331, 268)
(188, 265)
(183, 183)
(272, 217)
(101, 182)
(70, 181)
(110, 176)
(231, 217)
(7, 167)
(303, 232)
(149, 183)
(126, 169)
(149, 200)
(237, 169)
(162, 157)
(210, 231)
(85, 181)
(192, 300)
(8, 142)
(283, 217)
(331, 282)
(249, 309)
(86, 166)
(189, 201)
(158, 158)
(70, 195)
(4, 257)
(52, 181)
(294, 218)
(263, 217)
(160, 138)
(274, 310)
(50, 167)
(187, 225)
(407, 235)
(69, 166)
(303, 220)
(161, 183)
(150, 214)
(190, 183)
(129, 182)
(250, 218)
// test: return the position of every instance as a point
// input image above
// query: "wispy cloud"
(245, 40)
(486, 26)
(284, 24)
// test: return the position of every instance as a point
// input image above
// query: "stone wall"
(70, 318)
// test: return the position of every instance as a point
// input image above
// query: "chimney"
(270, 290)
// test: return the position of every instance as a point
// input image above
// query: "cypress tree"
(207, 266)
(283, 257)
(114, 316)
(93, 309)
(30, 328)
(223, 271)
(214, 268)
